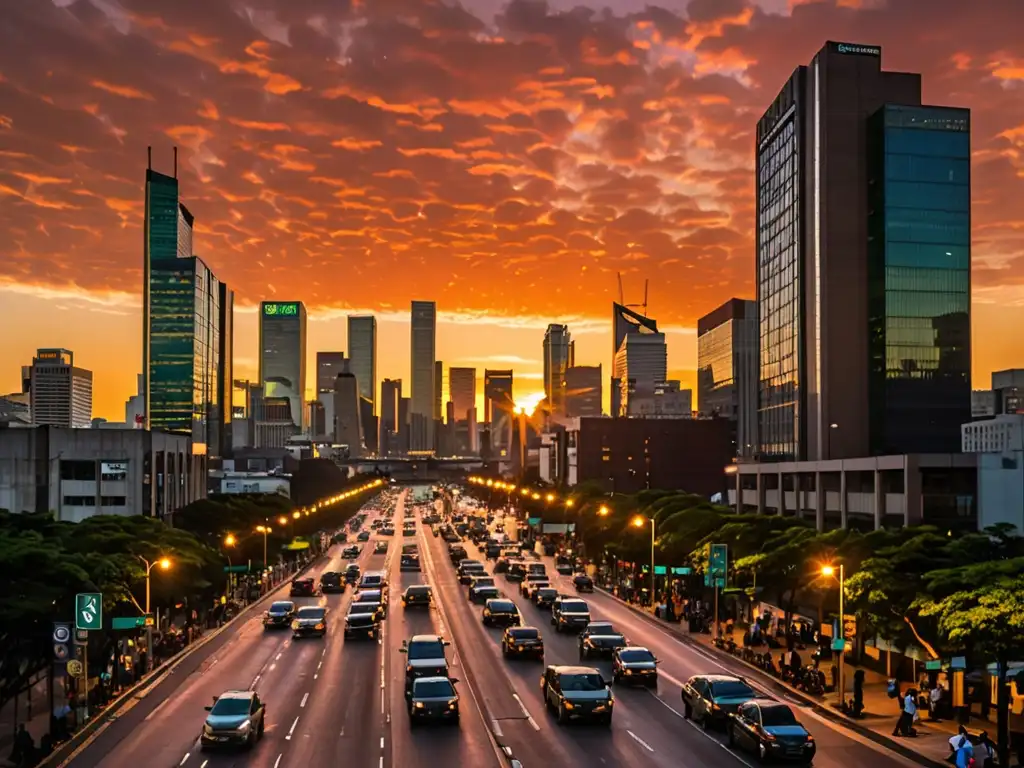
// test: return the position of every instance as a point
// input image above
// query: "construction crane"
(622, 297)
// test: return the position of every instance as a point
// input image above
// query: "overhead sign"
(681, 571)
(281, 309)
(132, 622)
(89, 610)
(858, 50)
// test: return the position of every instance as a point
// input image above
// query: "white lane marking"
(382, 742)
(185, 758)
(640, 741)
(496, 728)
(278, 657)
(276, 762)
(291, 730)
(529, 717)
(156, 709)
(382, 701)
(381, 763)
(204, 764)
(305, 698)
(272, 666)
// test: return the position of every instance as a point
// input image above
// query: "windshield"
(428, 650)
(632, 657)
(582, 683)
(368, 597)
(230, 707)
(311, 613)
(371, 580)
(505, 606)
(731, 689)
(574, 606)
(600, 629)
(282, 607)
(434, 689)
(418, 591)
(777, 716)
(484, 581)
(330, 576)
(525, 634)
(547, 591)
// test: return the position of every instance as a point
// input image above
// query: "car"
(480, 581)
(236, 718)
(635, 665)
(409, 563)
(583, 583)
(371, 597)
(492, 551)
(569, 614)
(425, 657)
(530, 588)
(522, 641)
(457, 553)
(501, 612)
(597, 628)
(769, 730)
(544, 597)
(410, 549)
(469, 571)
(533, 578)
(516, 571)
(350, 552)
(481, 595)
(501, 565)
(362, 622)
(374, 580)
(711, 699)
(434, 699)
(387, 530)
(418, 595)
(310, 620)
(601, 644)
(352, 573)
(409, 530)
(303, 587)
(538, 568)
(363, 536)
(451, 536)
(380, 548)
(279, 615)
(577, 693)
(332, 581)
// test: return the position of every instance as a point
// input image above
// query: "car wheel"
(607, 721)
(563, 715)
(731, 733)
(687, 711)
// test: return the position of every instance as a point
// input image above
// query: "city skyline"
(262, 186)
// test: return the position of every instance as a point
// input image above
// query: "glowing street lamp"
(639, 522)
(164, 564)
(604, 511)
(829, 571)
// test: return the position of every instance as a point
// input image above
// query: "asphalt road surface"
(333, 702)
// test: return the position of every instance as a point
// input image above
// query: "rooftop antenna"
(622, 300)
(175, 162)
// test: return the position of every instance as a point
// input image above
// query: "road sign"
(719, 559)
(81, 637)
(75, 668)
(61, 632)
(131, 622)
(681, 571)
(60, 651)
(660, 570)
(89, 610)
(236, 568)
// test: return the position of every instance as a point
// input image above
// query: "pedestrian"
(987, 749)
(905, 724)
(858, 693)
(934, 701)
(963, 750)
(24, 746)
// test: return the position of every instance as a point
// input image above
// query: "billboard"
(281, 309)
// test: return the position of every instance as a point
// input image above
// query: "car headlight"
(244, 726)
(295, 624)
(207, 729)
(319, 626)
(629, 671)
(409, 668)
(453, 704)
(487, 612)
(419, 705)
(568, 705)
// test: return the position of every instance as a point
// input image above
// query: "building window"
(114, 501)
(79, 501)
(78, 470)
(114, 471)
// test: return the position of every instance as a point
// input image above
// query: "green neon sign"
(277, 309)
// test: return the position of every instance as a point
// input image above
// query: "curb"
(70, 749)
(822, 709)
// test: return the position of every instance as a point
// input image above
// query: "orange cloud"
(125, 91)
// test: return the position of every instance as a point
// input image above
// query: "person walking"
(987, 750)
(905, 724)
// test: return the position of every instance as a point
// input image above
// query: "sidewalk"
(37, 723)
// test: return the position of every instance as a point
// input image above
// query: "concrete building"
(727, 374)
(282, 358)
(251, 482)
(389, 426)
(424, 402)
(368, 425)
(665, 401)
(641, 366)
(135, 406)
(348, 428)
(362, 352)
(625, 322)
(462, 391)
(15, 410)
(558, 354)
(328, 366)
(999, 445)
(78, 473)
(498, 408)
(60, 394)
(863, 256)
(438, 390)
(583, 385)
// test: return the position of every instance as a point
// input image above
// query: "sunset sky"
(505, 159)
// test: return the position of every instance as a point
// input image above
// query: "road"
(332, 702)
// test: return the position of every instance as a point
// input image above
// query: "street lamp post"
(164, 564)
(639, 521)
(830, 571)
(229, 542)
(264, 529)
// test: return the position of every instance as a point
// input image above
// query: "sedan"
(522, 641)
(601, 645)
(434, 699)
(501, 613)
(544, 597)
(363, 536)
(279, 615)
(481, 595)
(409, 563)
(380, 548)
(303, 588)
(770, 730)
(310, 621)
(418, 595)
(711, 699)
(634, 665)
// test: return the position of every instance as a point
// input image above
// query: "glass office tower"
(282, 363)
(422, 401)
(362, 353)
(919, 278)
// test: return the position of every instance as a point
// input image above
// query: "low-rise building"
(999, 445)
(224, 481)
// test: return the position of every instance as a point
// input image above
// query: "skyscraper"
(727, 369)
(624, 323)
(438, 388)
(422, 397)
(362, 352)
(328, 366)
(498, 408)
(282, 363)
(557, 354)
(60, 394)
(583, 384)
(863, 257)
(390, 397)
(225, 371)
(641, 368)
(462, 391)
(348, 430)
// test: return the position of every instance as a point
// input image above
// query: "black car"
(583, 583)
(332, 581)
(493, 551)
(602, 645)
(434, 699)
(236, 719)
(371, 597)
(305, 587)
(532, 579)
(522, 641)
(596, 628)
(481, 595)
(501, 565)
(577, 693)
(310, 621)
(544, 597)
(387, 530)
(380, 548)
(350, 552)
(516, 571)
(409, 530)
(483, 580)
(712, 699)
(634, 665)
(457, 553)
(569, 614)
(352, 574)
(279, 615)
(409, 563)
(362, 622)
(469, 570)
(499, 612)
(418, 595)
(425, 657)
(363, 536)
(770, 730)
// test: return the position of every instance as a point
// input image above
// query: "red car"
(303, 588)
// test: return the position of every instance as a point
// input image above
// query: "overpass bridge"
(415, 467)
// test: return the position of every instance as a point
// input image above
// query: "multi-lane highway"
(335, 702)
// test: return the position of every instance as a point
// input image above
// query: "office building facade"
(727, 374)
(362, 353)
(328, 366)
(641, 367)
(999, 445)
(60, 394)
(282, 360)
(462, 391)
(558, 351)
(625, 322)
(498, 409)
(438, 389)
(859, 188)
(390, 427)
(422, 397)
(583, 391)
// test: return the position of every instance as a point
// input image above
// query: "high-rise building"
(282, 363)
(557, 358)
(60, 394)
(224, 407)
(368, 425)
(362, 353)
(863, 258)
(498, 409)
(390, 396)
(625, 322)
(727, 373)
(438, 389)
(328, 366)
(423, 394)
(462, 391)
(404, 406)
(641, 367)
(583, 384)
(348, 430)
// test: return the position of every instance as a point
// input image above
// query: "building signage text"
(291, 309)
(860, 50)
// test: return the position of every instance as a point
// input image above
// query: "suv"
(425, 657)
(236, 718)
(304, 587)
(418, 594)
(331, 581)
(279, 615)
(577, 693)
(569, 613)
(310, 620)
(544, 597)
(409, 563)
(374, 580)
(583, 583)
(352, 573)
(362, 622)
(456, 553)
(499, 612)
(371, 597)
(480, 581)
(350, 552)
(711, 699)
(469, 570)
(522, 641)
(434, 698)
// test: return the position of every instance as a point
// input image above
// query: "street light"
(549, 498)
(264, 529)
(604, 511)
(829, 572)
(164, 564)
(639, 522)
(229, 542)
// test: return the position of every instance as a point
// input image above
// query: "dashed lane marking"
(291, 730)
(526, 712)
(276, 762)
(185, 758)
(305, 698)
(640, 741)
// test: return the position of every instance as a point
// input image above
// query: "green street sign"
(131, 622)
(719, 559)
(89, 610)
(933, 666)
(660, 570)
(236, 568)
(681, 571)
